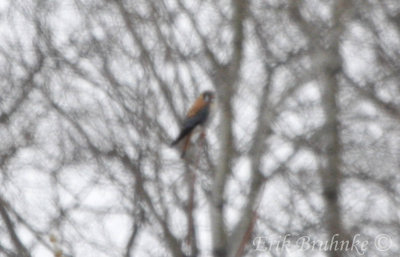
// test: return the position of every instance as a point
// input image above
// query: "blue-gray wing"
(199, 118)
(191, 122)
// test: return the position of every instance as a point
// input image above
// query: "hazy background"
(306, 141)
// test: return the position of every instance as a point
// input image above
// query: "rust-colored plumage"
(198, 105)
(198, 114)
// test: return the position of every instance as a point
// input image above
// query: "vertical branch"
(223, 169)
(242, 230)
(332, 64)
(191, 236)
(331, 174)
(328, 63)
(240, 11)
(227, 81)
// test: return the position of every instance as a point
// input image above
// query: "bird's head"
(208, 96)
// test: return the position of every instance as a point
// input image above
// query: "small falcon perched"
(198, 115)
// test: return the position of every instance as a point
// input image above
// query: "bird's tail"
(175, 141)
(181, 135)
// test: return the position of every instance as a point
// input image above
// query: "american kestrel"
(198, 115)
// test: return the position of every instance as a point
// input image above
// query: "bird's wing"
(196, 118)
(198, 105)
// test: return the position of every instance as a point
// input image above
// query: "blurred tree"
(304, 148)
